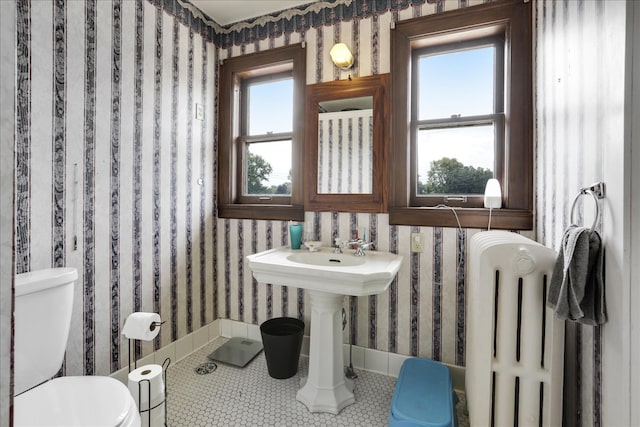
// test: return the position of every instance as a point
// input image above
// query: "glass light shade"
(493, 194)
(341, 56)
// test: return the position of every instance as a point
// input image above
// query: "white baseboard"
(175, 351)
(363, 358)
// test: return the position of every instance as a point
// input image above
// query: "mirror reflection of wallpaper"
(345, 153)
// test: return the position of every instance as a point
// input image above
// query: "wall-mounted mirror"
(345, 145)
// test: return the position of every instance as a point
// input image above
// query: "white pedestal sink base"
(326, 400)
(326, 389)
(327, 277)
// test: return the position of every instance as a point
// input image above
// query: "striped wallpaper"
(7, 143)
(580, 96)
(114, 175)
(116, 178)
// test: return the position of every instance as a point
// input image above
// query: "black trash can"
(282, 341)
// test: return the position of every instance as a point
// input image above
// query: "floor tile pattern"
(232, 396)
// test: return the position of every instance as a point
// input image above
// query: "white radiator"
(515, 347)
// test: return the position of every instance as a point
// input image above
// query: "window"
(462, 110)
(265, 139)
(261, 135)
(457, 121)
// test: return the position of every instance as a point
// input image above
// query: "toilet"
(43, 305)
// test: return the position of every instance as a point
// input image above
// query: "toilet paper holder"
(164, 365)
(153, 325)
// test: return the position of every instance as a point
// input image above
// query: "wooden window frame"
(232, 139)
(496, 118)
(245, 139)
(511, 18)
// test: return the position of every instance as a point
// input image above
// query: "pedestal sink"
(328, 277)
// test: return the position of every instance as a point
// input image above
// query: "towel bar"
(597, 192)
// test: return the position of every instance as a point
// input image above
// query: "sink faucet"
(360, 249)
(337, 246)
(360, 246)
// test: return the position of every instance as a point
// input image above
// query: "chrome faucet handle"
(361, 248)
(337, 247)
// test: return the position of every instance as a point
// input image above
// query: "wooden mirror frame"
(376, 86)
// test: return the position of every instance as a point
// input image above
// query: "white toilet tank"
(43, 305)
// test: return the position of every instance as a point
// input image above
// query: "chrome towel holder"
(596, 191)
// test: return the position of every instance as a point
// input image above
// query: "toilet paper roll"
(141, 326)
(148, 395)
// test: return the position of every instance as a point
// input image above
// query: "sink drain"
(206, 368)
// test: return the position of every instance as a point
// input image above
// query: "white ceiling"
(226, 12)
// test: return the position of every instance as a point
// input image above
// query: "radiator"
(515, 346)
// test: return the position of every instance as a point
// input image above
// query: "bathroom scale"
(237, 352)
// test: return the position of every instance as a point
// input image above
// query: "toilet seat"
(88, 401)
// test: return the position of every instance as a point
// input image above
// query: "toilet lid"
(75, 401)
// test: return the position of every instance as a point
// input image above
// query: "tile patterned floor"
(250, 397)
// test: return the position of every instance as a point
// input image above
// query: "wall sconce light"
(341, 56)
(492, 194)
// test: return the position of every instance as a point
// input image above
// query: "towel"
(576, 289)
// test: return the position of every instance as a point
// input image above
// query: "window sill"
(501, 219)
(260, 211)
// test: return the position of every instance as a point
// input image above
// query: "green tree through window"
(449, 176)
(258, 172)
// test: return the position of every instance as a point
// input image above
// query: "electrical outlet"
(417, 242)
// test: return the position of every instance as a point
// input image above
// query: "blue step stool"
(423, 396)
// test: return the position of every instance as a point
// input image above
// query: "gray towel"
(576, 290)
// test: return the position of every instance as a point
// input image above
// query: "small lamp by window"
(341, 56)
(493, 194)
